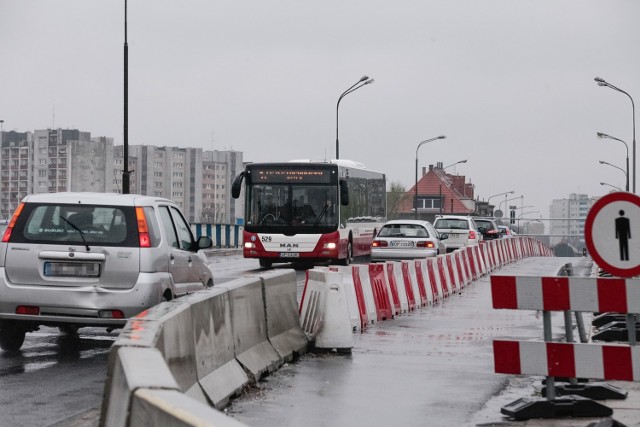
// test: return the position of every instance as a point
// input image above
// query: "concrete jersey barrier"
(176, 362)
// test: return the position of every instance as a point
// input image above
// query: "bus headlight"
(330, 245)
(249, 245)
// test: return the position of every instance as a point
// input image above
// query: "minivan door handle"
(172, 257)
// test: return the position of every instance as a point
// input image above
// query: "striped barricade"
(360, 274)
(566, 359)
(444, 276)
(434, 279)
(454, 281)
(405, 293)
(410, 280)
(381, 294)
(423, 280)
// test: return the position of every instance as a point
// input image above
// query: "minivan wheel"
(11, 336)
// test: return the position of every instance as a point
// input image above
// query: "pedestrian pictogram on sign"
(612, 233)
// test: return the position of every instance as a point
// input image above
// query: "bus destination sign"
(281, 176)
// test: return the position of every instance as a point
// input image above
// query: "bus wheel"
(349, 258)
(265, 263)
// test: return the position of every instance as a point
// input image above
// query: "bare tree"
(212, 216)
(394, 196)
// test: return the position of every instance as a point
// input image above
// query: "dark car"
(488, 228)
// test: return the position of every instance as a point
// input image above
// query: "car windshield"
(403, 230)
(451, 224)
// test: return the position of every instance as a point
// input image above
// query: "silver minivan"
(94, 259)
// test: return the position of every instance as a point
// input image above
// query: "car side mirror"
(204, 242)
(444, 236)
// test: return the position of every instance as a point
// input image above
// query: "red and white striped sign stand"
(566, 359)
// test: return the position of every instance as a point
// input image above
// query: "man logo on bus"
(288, 245)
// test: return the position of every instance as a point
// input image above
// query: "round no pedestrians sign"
(612, 233)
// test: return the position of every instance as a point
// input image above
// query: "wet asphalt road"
(58, 381)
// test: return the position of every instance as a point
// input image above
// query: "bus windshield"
(285, 205)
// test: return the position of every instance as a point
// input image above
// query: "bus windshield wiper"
(79, 231)
(322, 213)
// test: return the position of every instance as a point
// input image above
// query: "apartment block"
(568, 217)
(58, 160)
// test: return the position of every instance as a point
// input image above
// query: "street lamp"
(415, 204)
(602, 162)
(499, 194)
(364, 80)
(453, 164)
(613, 186)
(602, 82)
(603, 136)
(505, 203)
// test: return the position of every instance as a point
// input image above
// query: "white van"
(94, 259)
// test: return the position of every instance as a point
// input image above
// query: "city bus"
(310, 211)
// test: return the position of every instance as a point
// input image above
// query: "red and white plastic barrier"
(377, 292)
(556, 359)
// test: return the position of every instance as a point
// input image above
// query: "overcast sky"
(510, 83)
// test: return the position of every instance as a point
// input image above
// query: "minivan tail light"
(111, 314)
(12, 223)
(28, 309)
(472, 235)
(143, 230)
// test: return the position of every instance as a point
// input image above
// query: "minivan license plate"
(72, 269)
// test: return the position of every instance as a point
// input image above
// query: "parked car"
(506, 231)
(488, 227)
(94, 259)
(462, 231)
(407, 239)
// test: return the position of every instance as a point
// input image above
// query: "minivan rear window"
(65, 224)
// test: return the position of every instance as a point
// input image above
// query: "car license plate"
(289, 255)
(72, 269)
(401, 244)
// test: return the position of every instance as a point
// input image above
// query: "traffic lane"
(431, 367)
(54, 376)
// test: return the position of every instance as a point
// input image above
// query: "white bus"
(310, 211)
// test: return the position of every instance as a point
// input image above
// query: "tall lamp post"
(453, 164)
(602, 82)
(604, 135)
(505, 203)
(612, 186)
(125, 145)
(415, 201)
(364, 80)
(499, 194)
(602, 162)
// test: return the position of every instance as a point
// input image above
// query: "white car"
(94, 259)
(462, 231)
(407, 239)
(506, 232)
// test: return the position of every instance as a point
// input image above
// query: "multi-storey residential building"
(171, 172)
(16, 179)
(219, 170)
(568, 217)
(57, 160)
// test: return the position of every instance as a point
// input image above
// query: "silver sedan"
(407, 239)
